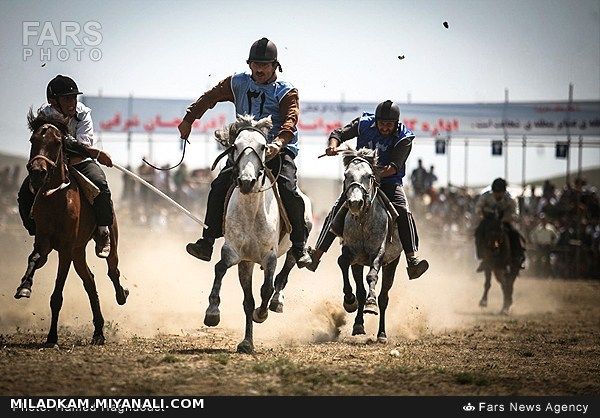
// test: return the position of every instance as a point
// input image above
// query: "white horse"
(252, 225)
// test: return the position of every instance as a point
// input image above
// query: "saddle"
(88, 189)
(337, 225)
(286, 226)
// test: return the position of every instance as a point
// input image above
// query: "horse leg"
(266, 290)
(56, 300)
(82, 269)
(371, 301)
(350, 302)
(228, 259)
(112, 260)
(507, 291)
(387, 281)
(281, 280)
(486, 288)
(36, 260)
(245, 275)
(361, 294)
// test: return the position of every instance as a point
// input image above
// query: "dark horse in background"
(497, 258)
(65, 222)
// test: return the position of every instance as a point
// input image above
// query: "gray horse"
(252, 226)
(370, 238)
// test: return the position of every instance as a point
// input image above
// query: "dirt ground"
(440, 341)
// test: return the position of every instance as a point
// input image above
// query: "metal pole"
(448, 160)
(129, 112)
(505, 134)
(567, 177)
(466, 182)
(523, 165)
(580, 146)
(150, 147)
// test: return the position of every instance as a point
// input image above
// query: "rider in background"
(261, 94)
(383, 132)
(61, 94)
(498, 202)
(418, 178)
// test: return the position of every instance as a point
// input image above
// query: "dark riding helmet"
(61, 86)
(387, 110)
(262, 50)
(499, 185)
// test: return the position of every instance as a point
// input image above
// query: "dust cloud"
(169, 292)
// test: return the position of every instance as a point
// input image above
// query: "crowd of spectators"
(561, 227)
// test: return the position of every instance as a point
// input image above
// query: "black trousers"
(407, 229)
(287, 182)
(103, 206)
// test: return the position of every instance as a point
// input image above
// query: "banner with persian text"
(138, 115)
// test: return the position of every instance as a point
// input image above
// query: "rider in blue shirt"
(383, 132)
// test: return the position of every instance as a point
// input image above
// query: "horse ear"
(265, 124)
(375, 157)
(347, 156)
(222, 137)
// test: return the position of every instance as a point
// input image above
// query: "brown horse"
(65, 222)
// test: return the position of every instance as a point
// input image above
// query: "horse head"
(359, 179)
(246, 140)
(46, 153)
(496, 238)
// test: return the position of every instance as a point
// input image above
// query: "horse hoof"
(245, 347)
(51, 343)
(276, 306)
(371, 308)
(358, 329)
(351, 305)
(212, 319)
(98, 340)
(505, 311)
(122, 296)
(22, 292)
(382, 338)
(257, 317)
(483, 303)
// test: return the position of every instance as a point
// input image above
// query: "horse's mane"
(365, 153)
(35, 121)
(227, 135)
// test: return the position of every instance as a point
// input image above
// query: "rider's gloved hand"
(331, 149)
(273, 148)
(185, 128)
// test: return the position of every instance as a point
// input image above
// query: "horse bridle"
(263, 167)
(53, 165)
(370, 193)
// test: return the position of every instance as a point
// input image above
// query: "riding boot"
(25, 199)
(102, 239)
(201, 249)
(315, 258)
(215, 210)
(301, 255)
(416, 267)
(103, 209)
(409, 238)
